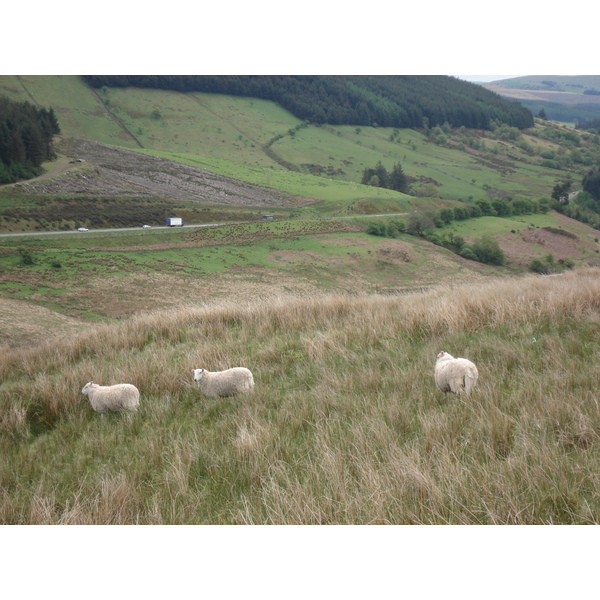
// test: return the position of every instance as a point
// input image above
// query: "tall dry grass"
(345, 424)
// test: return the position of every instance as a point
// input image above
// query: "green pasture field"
(194, 123)
(337, 194)
(341, 154)
(218, 248)
(496, 226)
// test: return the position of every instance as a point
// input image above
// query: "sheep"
(230, 382)
(104, 398)
(456, 375)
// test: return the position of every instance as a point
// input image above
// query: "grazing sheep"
(104, 398)
(456, 375)
(230, 382)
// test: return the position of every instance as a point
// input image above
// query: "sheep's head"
(198, 373)
(86, 387)
(443, 356)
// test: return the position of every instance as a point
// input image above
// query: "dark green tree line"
(26, 134)
(386, 100)
(379, 177)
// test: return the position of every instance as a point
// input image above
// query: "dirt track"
(102, 170)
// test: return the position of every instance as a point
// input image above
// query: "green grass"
(79, 112)
(63, 266)
(345, 425)
(201, 123)
(496, 226)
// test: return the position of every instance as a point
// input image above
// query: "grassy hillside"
(258, 141)
(340, 328)
(345, 424)
(104, 276)
(109, 275)
(186, 144)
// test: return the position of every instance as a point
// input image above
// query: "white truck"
(175, 222)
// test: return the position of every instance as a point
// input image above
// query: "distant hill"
(401, 101)
(575, 84)
(566, 98)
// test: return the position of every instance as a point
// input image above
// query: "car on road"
(146, 226)
(82, 229)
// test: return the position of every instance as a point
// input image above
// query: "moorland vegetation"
(345, 424)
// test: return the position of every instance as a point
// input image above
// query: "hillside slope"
(345, 425)
(386, 100)
(119, 172)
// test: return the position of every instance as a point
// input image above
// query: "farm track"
(109, 171)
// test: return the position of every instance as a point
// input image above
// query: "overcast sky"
(236, 37)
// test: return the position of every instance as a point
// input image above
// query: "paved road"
(70, 231)
(160, 227)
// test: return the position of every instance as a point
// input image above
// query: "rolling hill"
(340, 325)
(567, 98)
(129, 156)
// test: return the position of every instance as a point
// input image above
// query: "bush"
(467, 252)
(26, 257)
(488, 251)
(539, 266)
(392, 228)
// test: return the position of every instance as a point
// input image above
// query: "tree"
(488, 251)
(446, 215)
(460, 214)
(591, 183)
(485, 207)
(367, 176)
(383, 175)
(502, 207)
(398, 180)
(418, 222)
(560, 192)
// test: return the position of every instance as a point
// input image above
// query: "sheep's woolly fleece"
(456, 375)
(119, 397)
(230, 382)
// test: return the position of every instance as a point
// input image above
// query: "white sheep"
(456, 375)
(104, 398)
(230, 382)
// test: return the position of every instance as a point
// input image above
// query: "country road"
(71, 231)
(154, 228)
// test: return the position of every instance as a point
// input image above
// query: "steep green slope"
(388, 100)
(457, 163)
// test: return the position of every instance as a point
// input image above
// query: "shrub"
(488, 251)
(26, 257)
(539, 266)
(467, 252)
